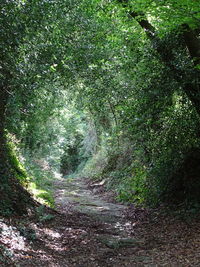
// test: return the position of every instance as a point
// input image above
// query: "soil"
(89, 230)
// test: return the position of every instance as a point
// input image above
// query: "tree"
(23, 26)
(184, 37)
(122, 67)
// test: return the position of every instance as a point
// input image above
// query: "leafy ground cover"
(89, 230)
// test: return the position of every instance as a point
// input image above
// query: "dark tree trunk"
(188, 40)
(192, 43)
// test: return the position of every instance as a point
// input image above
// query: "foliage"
(42, 216)
(83, 82)
(19, 170)
(40, 181)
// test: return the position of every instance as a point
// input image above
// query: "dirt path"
(110, 231)
(88, 231)
(74, 193)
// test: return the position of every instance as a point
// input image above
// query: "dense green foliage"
(107, 88)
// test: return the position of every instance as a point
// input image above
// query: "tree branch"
(144, 23)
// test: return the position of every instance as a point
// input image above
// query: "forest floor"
(90, 230)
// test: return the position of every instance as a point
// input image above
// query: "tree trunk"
(192, 43)
(188, 40)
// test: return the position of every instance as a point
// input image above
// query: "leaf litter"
(81, 235)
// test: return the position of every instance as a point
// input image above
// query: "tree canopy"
(108, 87)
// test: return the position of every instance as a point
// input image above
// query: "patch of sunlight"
(62, 191)
(73, 193)
(10, 236)
(102, 208)
(125, 226)
(70, 179)
(119, 226)
(33, 188)
(39, 194)
(51, 233)
(57, 175)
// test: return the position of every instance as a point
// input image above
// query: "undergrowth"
(14, 179)
(123, 175)
(17, 167)
(171, 178)
(40, 182)
(30, 174)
